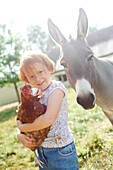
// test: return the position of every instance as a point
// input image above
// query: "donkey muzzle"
(87, 102)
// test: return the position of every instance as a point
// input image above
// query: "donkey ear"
(55, 33)
(82, 25)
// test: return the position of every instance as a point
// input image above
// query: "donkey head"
(76, 57)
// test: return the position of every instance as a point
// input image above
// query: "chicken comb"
(28, 88)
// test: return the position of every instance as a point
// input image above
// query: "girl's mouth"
(40, 83)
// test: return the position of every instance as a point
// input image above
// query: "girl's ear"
(50, 71)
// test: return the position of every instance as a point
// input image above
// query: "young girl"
(58, 151)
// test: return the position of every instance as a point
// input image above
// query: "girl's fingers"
(28, 138)
(31, 145)
(28, 142)
(32, 148)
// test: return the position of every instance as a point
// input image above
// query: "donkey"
(90, 77)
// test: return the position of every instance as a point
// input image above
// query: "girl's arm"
(47, 119)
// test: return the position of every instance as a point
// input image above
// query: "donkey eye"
(63, 64)
(90, 58)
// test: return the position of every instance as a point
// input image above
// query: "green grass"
(93, 134)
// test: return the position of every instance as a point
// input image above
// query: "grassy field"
(92, 131)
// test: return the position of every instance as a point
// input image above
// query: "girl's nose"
(37, 78)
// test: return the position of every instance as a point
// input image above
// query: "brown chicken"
(28, 111)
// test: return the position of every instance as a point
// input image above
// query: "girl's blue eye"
(40, 71)
(32, 76)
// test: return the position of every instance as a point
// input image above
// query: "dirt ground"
(8, 106)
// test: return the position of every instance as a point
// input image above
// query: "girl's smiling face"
(38, 76)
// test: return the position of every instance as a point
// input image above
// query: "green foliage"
(92, 29)
(11, 47)
(93, 134)
(91, 149)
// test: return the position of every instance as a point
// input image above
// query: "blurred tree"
(92, 29)
(11, 47)
(39, 39)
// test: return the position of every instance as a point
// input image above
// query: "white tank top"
(59, 134)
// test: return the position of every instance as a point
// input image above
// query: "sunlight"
(63, 13)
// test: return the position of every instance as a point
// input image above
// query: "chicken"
(28, 111)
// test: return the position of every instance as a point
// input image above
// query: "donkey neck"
(103, 86)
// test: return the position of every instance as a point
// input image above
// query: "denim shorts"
(64, 158)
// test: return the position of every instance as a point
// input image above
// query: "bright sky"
(64, 13)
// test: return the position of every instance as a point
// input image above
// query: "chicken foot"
(36, 159)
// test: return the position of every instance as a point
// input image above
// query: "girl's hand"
(23, 126)
(26, 141)
(19, 124)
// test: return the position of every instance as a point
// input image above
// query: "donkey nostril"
(91, 98)
(79, 101)
(86, 100)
